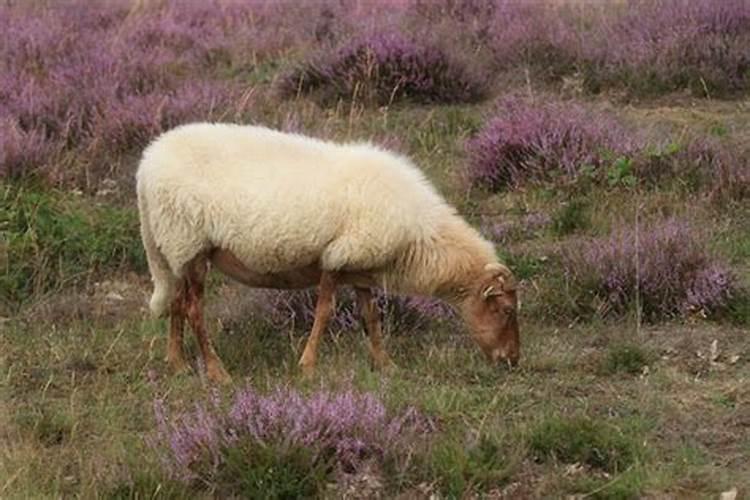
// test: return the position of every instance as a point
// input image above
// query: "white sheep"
(279, 210)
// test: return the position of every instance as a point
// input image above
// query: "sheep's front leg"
(323, 310)
(175, 351)
(371, 319)
(196, 276)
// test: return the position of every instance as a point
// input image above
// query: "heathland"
(604, 147)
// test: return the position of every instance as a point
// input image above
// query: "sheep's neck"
(445, 264)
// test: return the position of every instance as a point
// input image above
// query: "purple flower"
(528, 141)
(346, 428)
(296, 309)
(666, 265)
(386, 67)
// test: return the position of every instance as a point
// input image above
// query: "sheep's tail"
(164, 279)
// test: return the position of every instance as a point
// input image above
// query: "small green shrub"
(460, 468)
(524, 265)
(52, 239)
(625, 486)
(572, 217)
(738, 309)
(582, 440)
(49, 427)
(258, 471)
(626, 358)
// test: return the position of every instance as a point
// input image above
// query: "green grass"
(572, 217)
(53, 239)
(626, 358)
(583, 440)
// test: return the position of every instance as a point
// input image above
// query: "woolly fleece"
(282, 201)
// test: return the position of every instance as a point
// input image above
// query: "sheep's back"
(279, 201)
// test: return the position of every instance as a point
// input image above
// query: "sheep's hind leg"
(196, 275)
(175, 351)
(323, 309)
(371, 319)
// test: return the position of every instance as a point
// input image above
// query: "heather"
(307, 438)
(84, 84)
(566, 143)
(295, 310)
(383, 68)
(528, 141)
(664, 269)
(656, 47)
(606, 159)
(502, 231)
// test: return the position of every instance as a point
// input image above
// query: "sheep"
(277, 210)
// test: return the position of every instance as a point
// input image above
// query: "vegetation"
(600, 149)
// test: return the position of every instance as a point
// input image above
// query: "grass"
(89, 387)
(581, 440)
(600, 407)
(626, 358)
(53, 239)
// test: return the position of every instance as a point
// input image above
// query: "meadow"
(604, 147)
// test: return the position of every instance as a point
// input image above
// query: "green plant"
(481, 466)
(572, 217)
(626, 358)
(583, 440)
(620, 173)
(262, 471)
(53, 239)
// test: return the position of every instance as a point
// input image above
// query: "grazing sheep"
(278, 210)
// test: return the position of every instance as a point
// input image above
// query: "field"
(604, 147)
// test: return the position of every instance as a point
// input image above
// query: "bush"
(626, 358)
(478, 467)
(283, 310)
(584, 441)
(656, 47)
(566, 143)
(666, 265)
(283, 442)
(526, 142)
(87, 82)
(51, 240)
(383, 68)
(505, 231)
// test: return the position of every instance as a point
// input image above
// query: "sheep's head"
(490, 309)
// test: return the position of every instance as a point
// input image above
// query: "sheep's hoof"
(217, 374)
(308, 370)
(383, 364)
(178, 366)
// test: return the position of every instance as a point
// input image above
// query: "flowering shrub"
(535, 142)
(665, 264)
(699, 163)
(88, 81)
(322, 433)
(296, 309)
(504, 231)
(555, 141)
(671, 44)
(534, 34)
(383, 68)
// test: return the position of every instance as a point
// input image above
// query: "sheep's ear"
(498, 269)
(503, 275)
(508, 283)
